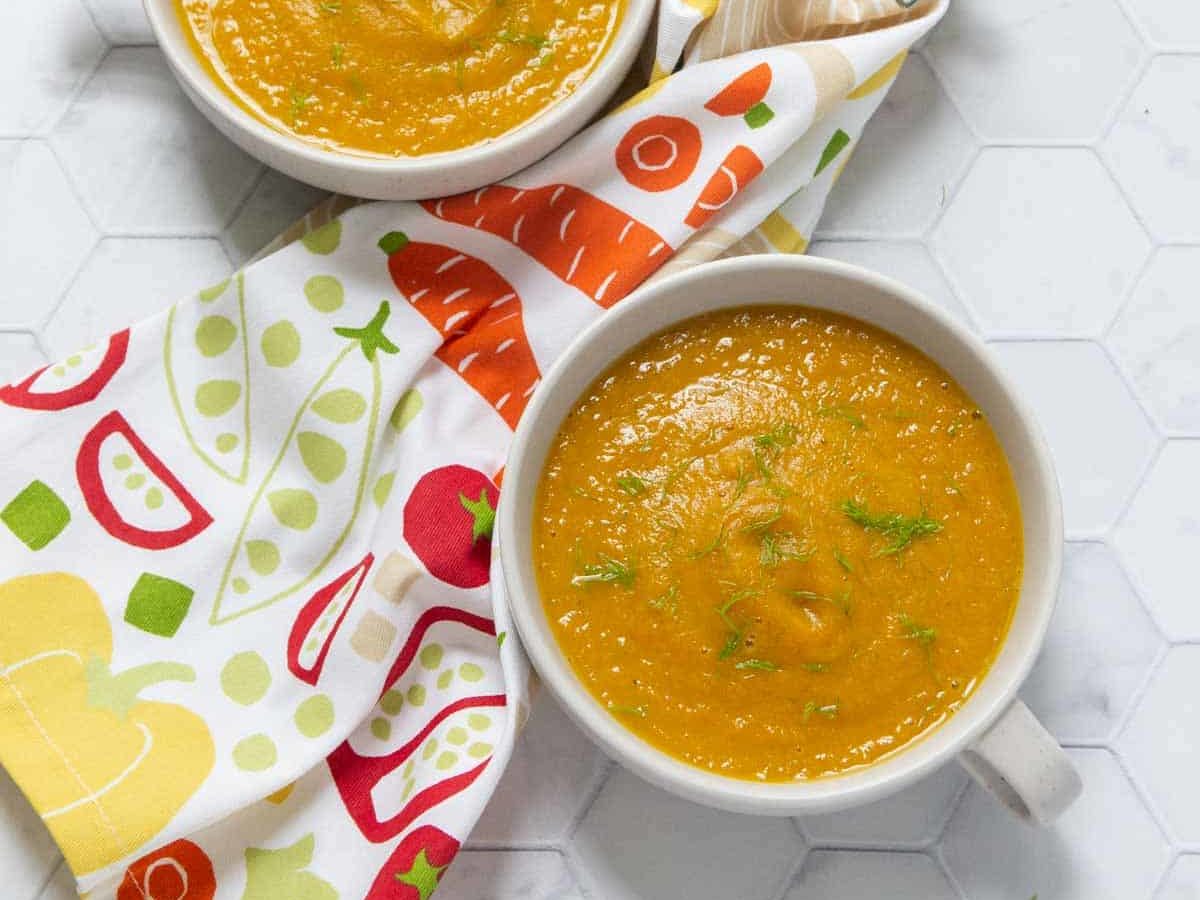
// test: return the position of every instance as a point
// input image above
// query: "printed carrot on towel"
(744, 97)
(586, 242)
(737, 170)
(478, 314)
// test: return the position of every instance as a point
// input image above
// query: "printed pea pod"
(313, 491)
(208, 376)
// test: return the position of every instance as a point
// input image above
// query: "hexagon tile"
(1035, 171)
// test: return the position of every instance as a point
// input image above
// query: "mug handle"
(1019, 763)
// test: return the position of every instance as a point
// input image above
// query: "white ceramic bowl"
(994, 736)
(401, 178)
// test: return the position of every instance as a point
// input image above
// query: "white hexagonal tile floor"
(1106, 846)
(45, 233)
(1162, 742)
(633, 829)
(1169, 24)
(1156, 338)
(1040, 242)
(834, 874)
(906, 261)
(1159, 539)
(132, 139)
(1154, 148)
(910, 819)
(1101, 646)
(51, 48)
(1026, 173)
(1032, 70)
(1100, 438)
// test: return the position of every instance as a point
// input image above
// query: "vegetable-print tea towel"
(249, 644)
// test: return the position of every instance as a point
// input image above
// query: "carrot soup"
(399, 77)
(778, 543)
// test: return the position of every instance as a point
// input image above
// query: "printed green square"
(36, 516)
(158, 605)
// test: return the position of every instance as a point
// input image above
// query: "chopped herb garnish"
(760, 525)
(922, 635)
(899, 529)
(811, 596)
(333, 7)
(743, 480)
(845, 413)
(546, 58)
(607, 571)
(843, 601)
(360, 89)
(629, 710)
(580, 492)
(841, 560)
(674, 474)
(459, 72)
(668, 601)
(782, 435)
(777, 547)
(710, 546)
(815, 667)
(828, 710)
(731, 644)
(763, 464)
(762, 664)
(537, 41)
(735, 632)
(631, 484)
(300, 101)
(335, 54)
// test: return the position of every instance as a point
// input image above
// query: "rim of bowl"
(884, 776)
(614, 64)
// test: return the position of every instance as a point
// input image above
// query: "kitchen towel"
(249, 643)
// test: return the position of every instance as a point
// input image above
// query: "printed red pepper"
(129, 465)
(585, 241)
(448, 522)
(36, 392)
(323, 614)
(355, 775)
(415, 867)
(478, 315)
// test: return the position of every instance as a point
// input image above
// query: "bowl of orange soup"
(399, 99)
(781, 537)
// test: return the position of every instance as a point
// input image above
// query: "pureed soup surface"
(778, 543)
(399, 77)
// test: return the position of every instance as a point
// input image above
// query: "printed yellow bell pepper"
(105, 769)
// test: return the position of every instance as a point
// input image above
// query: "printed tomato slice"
(319, 621)
(178, 871)
(659, 153)
(415, 867)
(131, 492)
(448, 521)
(78, 379)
